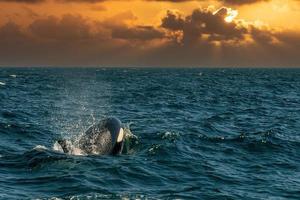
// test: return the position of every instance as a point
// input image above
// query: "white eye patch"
(121, 135)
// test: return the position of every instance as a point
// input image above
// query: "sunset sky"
(178, 33)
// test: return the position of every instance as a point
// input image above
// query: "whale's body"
(104, 138)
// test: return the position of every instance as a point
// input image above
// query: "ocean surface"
(201, 133)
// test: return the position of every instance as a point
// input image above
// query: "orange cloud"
(232, 2)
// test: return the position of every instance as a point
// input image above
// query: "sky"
(150, 33)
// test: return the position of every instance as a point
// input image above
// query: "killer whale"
(103, 138)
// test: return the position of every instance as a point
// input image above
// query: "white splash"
(73, 150)
(170, 135)
(2, 83)
(40, 147)
(13, 76)
(57, 147)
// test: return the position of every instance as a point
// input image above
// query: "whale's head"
(117, 134)
(118, 147)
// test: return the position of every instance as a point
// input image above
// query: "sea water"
(198, 133)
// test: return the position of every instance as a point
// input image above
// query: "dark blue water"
(203, 133)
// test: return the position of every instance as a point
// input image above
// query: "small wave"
(102, 196)
(154, 149)
(2, 83)
(40, 147)
(171, 136)
(166, 145)
(33, 159)
(254, 141)
(13, 76)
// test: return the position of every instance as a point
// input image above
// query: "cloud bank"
(231, 2)
(201, 38)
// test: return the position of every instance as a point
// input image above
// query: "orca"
(104, 138)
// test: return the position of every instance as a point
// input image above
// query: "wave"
(103, 196)
(262, 141)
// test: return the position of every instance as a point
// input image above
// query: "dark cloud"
(262, 36)
(23, 1)
(229, 2)
(242, 2)
(30, 13)
(173, 1)
(69, 27)
(289, 37)
(219, 43)
(204, 22)
(137, 33)
(81, 1)
(10, 30)
(62, 1)
(70, 40)
(173, 21)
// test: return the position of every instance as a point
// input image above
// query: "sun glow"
(231, 14)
